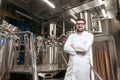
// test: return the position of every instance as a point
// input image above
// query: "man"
(78, 45)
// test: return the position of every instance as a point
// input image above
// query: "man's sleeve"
(85, 45)
(67, 47)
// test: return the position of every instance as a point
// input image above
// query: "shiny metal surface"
(104, 56)
(9, 27)
(40, 12)
(49, 51)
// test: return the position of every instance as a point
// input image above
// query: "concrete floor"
(29, 76)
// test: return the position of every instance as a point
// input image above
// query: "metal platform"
(44, 70)
(40, 68)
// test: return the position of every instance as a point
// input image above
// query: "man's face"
(80, 26)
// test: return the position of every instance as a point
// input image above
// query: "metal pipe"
(64, 59)
(27, 48)
(23, 32)
(11, 52)
(92, 68)
(63, 26)
(3, 57)
(33, 56)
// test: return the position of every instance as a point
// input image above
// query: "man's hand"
(72, 46)
(78, 52)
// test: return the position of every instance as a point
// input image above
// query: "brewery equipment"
(104, 56)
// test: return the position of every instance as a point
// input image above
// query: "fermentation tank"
(50, 55)
(104, 56)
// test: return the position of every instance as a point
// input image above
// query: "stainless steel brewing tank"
(50, 54)
(105, 56)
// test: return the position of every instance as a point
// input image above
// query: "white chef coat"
(79, 63)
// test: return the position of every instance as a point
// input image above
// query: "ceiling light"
(49, 3)
(100, 1)
(73, 15)
(104, 13)
(73, 21)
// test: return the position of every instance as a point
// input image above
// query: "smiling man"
(78, 45)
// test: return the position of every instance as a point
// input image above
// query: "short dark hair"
(81, 20)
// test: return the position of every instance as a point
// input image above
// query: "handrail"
(95, 72)
(33, 56)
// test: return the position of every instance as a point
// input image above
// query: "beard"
(80, 30)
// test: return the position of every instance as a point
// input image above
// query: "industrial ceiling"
(38, 13)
